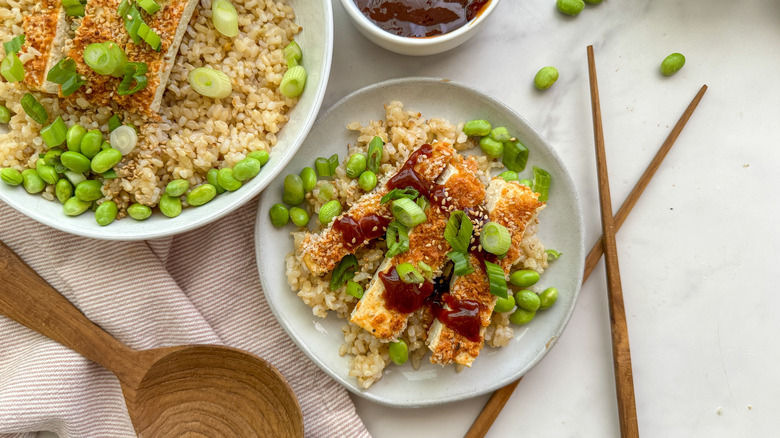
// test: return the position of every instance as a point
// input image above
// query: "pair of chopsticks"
(610, 224)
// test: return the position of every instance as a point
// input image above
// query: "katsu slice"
(458, 332)
(388, 302)
(45, 35)
(367, 218)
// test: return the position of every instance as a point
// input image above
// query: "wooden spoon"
(199, 390)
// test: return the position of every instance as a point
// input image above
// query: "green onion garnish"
(293, 81)
(124, 139)
(135, 72)
(425, 270)
(458, 231)
(74, 8)
(541, 183)
(497, 280)
(322, 167)
(65, 74)
(408, 274)
(14, 45)
(515, 155)
(292, 54)
(394, 194)
(114, 122)
(423, 203)
(54, 135)
(344, 271)
(96, 57)
(461, 261)
(150, 6)
(397, 239)
(375, 151)
(124, 8)
(495, 238)
(552, 254)
(354, 289)
(109, 174)
(34, 109)
(136, 27)
(224, 17)
(210, 83)
(12, 68)
(408, 212)
(5, 114)
(147, 34)
(333, 163)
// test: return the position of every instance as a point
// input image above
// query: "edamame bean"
(299, 216)
(46, 172)
(89, 190)
(91, 142)
(177, 187)
(202, 194)
(326, 192)
(548, 298)
(570, 7)
(5, 114)
(399, 352)
(74, 136)
(524, 278)
(246, 169)
(227, 181)
(545, 78)
(105, 145)
(477, 128)
(367, 180)
(106, 213)
(593, 2)
(509, 176)
(105, 160)
(32, 181)
(213, 179)
(526, 182)
(11, 176)
(491, 148)
(528, 300)
(139, 212)
(170, 205)
(356, 165)
(52, 157)
(504, 304)
(261, 156)
(75, 206)
(521, 316)
(329, 211)
(75, 161)
(500, 134)
(293, 190)
(672, 64)
(279, 215)
(63, 190)
(309, 178)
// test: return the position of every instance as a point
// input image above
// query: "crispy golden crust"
(515, 207)
(40, 28)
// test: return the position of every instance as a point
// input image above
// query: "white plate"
(560, 228)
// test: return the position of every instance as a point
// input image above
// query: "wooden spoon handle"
(29, 300)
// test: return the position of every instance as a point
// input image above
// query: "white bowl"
(316, 40)
(417, 46)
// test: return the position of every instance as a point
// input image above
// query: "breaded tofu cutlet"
(46, 33)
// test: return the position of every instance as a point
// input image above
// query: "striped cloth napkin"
(197, 287)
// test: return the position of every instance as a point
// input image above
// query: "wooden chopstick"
(621, 349)
(492, 408)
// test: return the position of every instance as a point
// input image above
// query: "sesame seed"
(375, 228)
(354, 240)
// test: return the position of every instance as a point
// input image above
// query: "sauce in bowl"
(420, 18)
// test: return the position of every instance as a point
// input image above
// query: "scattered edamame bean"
(528, 300)
(202, 194)
(504, 304)
(11, 176)
(139, 212)
(261, 156)
(500, 134)
(524, 278)
(367, 180)
(293, 190)
(309, 178)
(75, 206)
(226, 179)
(246, 169)
(170, 205)
(177, 187)
(477, 128)
(491, 148)
(593, 2)
(91, 142)
(105, 160)
(399, 352)
(106, 213)
(63, 190)
(46, 172)
(672, 64)
(75, 161)
(521, 316)
(526, 182)
(548, 298)
(326, 192)
(545, 78)
(89, 190)
(212, 176)
(356, 165)
(329, 211)
(299, 216)
(5, 114)
(32, 181)
(509, 176)
(279, 215)
(74, 136)
(52, 157)
(570, 7)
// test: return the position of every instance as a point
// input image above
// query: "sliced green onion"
(497, 280)
(34, 109)
(408, 212)
(394, 194)
(12, 68)
(397, 239)
(124, 139)
(458, 231)
(210, 83)
(97, 58)
(135, 72)
(65, 74)
(322, 167)
(14, 45)
(541, 183)
(333, 163)
(408, 274)
(74, 8)
(54, 135)
(124, 8)
(150, 6)
(114, 122)
(343, 272)
(495, 238)
(109, 174)
(423, 203)
(327, 191)
(426, 270)
(552, 254)
(293, 54)
(375, 152)
(461, 261)
(515, 156)
(117, 58)
(132, 19)
(293, 81)
(5, 114)
(147, 34)
(354, 289)
(224, 17)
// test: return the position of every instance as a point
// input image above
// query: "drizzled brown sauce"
(404, 297)
(462, 316)
(366, 228)
(420, 18)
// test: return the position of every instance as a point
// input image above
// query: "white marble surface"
(697, 250)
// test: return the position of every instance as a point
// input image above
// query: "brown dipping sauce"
(354, 232)
(420, 18)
